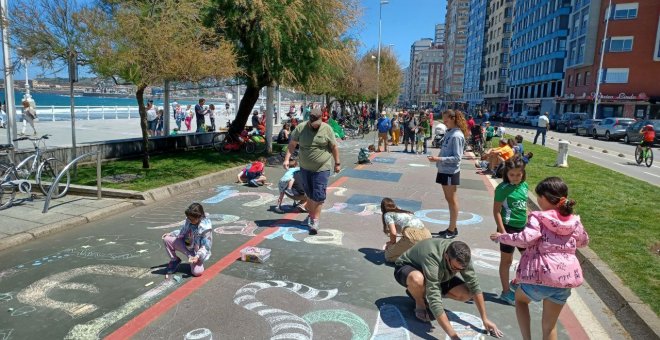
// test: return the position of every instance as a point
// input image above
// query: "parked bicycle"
(644, 154)
(9, 181)
(45, 171)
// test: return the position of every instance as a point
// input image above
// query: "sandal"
(422, 315)
(172, 266)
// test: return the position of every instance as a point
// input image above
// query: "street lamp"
(380, 28)
(27, 97)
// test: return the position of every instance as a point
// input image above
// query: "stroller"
(439, 135)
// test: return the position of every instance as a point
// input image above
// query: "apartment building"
(428, 77)
(473, 94)
(496, 56)
(456, 25)
(415, 48)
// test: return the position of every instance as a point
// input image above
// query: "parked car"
(522, 117)
(569, 121)
(612, 128)
(587, 127)
(554, 117)
(532, 118)
(632, 132)
(514, 117)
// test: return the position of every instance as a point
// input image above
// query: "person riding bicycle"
(648, 136)
(476, 134)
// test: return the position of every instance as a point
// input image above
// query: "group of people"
(407, 128)
(427, 266)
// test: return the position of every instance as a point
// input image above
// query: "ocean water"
(56, 99)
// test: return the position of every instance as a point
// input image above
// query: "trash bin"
(562, 155)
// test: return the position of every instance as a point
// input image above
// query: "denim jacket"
(197, 238)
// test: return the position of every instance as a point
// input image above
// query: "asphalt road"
(105, 279)
(611, 160)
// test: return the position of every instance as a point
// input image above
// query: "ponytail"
(459, 119)
(556, 192)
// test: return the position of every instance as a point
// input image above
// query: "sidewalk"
(345, 255)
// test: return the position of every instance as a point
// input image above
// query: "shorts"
(401, 275)
(448, 179)
(537, 293)
(315, 184)
(505, 248)
(151, 124)
(645, 143)
(282, 185)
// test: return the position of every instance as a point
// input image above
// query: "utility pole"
(600, 65)
(10, 105)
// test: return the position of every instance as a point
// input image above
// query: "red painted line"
(571, 324)
(135, 325)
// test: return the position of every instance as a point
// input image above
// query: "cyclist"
(648, 136)
(476, 137)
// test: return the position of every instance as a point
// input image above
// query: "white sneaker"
(306, 221)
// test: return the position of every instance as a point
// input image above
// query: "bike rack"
(66, 169)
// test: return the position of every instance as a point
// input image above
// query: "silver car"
(612, 128)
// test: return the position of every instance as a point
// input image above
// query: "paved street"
(105, 279)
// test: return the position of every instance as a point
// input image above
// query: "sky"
(403, 22)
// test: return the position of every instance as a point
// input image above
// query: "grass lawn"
(165, 169)
(619, 212)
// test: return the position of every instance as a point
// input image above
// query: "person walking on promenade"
(548, 269)
(189, 115)
(448, 163)
(194, 240)
(318, 148)
(179, 115)
(510, 213)
(212, 116)
(29, 115)
(409, 127)
(200, 112)
(425, 124)
(383, 126)
(428, 271)
(542, 127)
(395, 129)
(160, 122)
(400, 223)
(152, 118)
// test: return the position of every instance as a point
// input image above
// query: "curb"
(141, 198)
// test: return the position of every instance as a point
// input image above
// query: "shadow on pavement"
(406, 306)
(375, 256)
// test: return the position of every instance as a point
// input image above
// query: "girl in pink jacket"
(548, 269)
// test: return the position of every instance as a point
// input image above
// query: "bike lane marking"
(135, 325)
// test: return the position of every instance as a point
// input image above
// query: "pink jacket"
(551, 241)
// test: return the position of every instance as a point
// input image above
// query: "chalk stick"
(148, 284)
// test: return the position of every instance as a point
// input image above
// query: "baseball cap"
(315, 118)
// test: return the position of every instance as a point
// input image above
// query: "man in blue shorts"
(318, 148)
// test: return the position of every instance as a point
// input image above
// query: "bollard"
(562, 155)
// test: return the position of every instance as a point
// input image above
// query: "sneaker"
(508, 297)
(288, 192)
(313, 226)
(301, 207)
(172, 266)
(448, 234)
(513, 286)
(278, 210)
(253, 183)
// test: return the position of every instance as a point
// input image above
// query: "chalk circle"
(23, 311)
(199, 334)
(112, 247)
(4, 297)
(467, 326)
(464, 218)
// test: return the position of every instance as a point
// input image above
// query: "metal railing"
(86, 112)
(66, 169)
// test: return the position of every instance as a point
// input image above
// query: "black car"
(569, 121)
(586, 127)
(632, 132)
(554, 117)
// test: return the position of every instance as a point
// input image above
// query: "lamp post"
(380, 29)
(608, 13)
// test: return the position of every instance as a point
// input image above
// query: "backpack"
(255, 170)
(363, 156)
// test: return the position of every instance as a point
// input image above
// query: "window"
(615, 75)
(578, 79)
(570, 80)
(587, 76)
(625, 11)
(621, 44)
(656, 55)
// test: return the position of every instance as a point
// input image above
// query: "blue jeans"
(540, 130)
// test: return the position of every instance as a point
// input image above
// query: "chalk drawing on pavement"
(286, 232)
(93, 328)
(362, 209)
(415, 165)
(263, 198)
(37, 293)
(215, 219)
(464, 218)
(112, 247)
(4, 297)
(283, 324)
(242, 227)
(466, 325)
(489, 259)
(25, 310)
(337, 191)
(5, 333)
(199, 334)
(390, 324)
(358, 327)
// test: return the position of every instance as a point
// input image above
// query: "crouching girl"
(403, 223)
(194, 240)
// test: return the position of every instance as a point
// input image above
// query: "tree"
(391, 77)
(148, 42)
(277, 41)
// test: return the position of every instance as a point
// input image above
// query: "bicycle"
(45, 171)
(9, 181)
(644, 154)
(218, 140)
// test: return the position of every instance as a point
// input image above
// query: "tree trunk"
(139, 95)
(250, 98)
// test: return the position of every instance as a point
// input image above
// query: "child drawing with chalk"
(194, 240)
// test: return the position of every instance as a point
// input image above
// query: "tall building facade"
(496, 56)
(428, 77)
(439, 35)
(415, 48)
(632, 55)
(538, 52)
(473, 93)
(456, 22)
